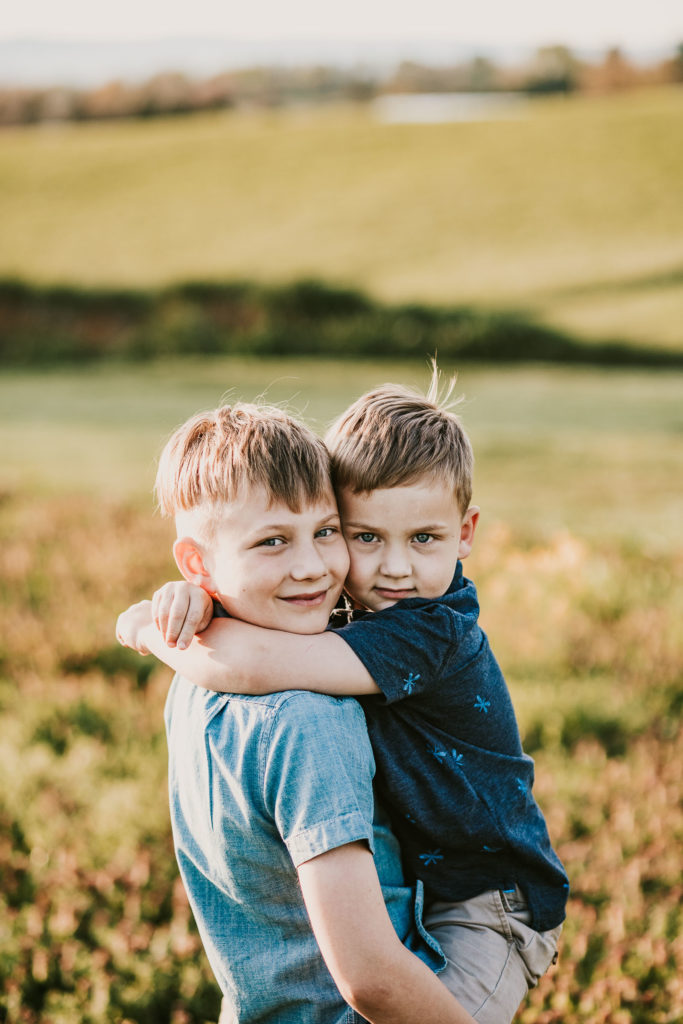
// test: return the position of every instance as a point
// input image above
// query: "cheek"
(259, 584)
(360, 568)
(438, 576)
(343, 562)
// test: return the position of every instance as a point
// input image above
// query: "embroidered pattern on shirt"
(433, 857)
(409, 683)
(481, 704)
(441, 755)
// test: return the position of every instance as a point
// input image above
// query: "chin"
(305, 628)
(307, 624)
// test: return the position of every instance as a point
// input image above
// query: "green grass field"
(572, 212)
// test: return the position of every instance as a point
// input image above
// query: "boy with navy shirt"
(450, 766)
(453, 719)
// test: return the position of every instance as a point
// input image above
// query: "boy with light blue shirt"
(450, 765)
(298, 893)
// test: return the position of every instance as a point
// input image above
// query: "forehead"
(254, 507)
(427, 498)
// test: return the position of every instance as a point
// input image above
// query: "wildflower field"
(580, 571)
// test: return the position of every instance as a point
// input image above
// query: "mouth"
(388, 594)
(313, 600)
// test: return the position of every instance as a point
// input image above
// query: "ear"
(190, 560)
(467, 528)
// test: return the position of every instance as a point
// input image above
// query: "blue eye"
(327, 531)
(423, 538)
(271, 542)
(366, 538)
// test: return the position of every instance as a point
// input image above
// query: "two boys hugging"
(432, 895)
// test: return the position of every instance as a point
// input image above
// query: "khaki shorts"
(494, 956)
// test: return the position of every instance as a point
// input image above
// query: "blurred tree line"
(552, 69)
(47, 325)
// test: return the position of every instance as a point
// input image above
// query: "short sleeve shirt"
(259, 785)
(450, 764)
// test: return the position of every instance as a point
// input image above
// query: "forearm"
(238, 657)
(221, 670)
(375, 973)
(405, 991)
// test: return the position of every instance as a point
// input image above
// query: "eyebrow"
(283, 527)
(422, 528)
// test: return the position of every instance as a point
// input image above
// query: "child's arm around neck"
(231, 656)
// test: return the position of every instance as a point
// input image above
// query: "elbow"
(235, 674)
(251, 672)
(248, 678)
(368, 988)
(368, 1000)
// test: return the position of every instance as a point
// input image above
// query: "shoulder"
(315, 769)
(303, 711)
(315, 721)
(301, 716)
(309, 707)
(416, 620)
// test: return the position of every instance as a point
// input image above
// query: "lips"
(307, 600)
(394, 595)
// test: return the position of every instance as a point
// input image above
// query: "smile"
(307, 600)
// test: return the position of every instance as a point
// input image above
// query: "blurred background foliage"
(554, 69)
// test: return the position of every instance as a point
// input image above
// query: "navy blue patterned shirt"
(450, 765)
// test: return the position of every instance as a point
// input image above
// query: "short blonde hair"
(393, 435)
(214, 454)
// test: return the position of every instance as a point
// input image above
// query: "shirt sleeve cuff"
(328, 835)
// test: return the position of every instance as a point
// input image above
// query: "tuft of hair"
(214, 454)
(394, 435)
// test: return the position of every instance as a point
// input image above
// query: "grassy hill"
(571, 212)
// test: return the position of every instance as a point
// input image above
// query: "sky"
(588, 24)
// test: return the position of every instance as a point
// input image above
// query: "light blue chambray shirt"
(258, 785)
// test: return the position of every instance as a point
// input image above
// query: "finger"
(120, 632)
(194, 621)
(156, 599)
(179, 611)
(162, 602)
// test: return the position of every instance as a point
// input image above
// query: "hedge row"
(49, 325)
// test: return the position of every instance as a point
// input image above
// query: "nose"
(395, 563)
(307, 563)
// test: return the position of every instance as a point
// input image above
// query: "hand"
(180, 610)
(131, 622)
